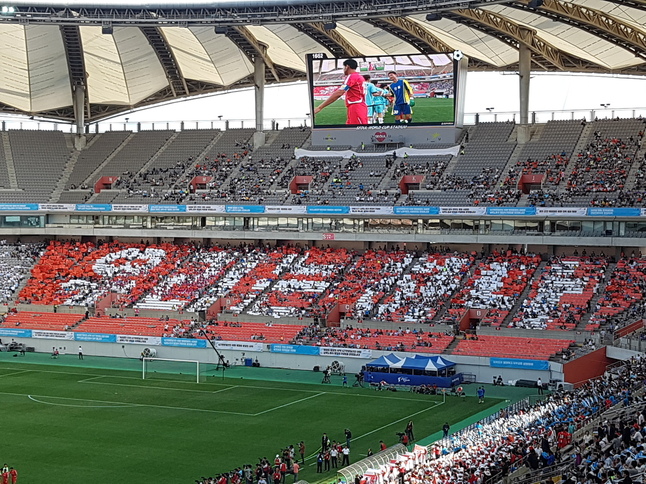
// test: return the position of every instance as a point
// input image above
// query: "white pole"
(198, 372)
(143, 369)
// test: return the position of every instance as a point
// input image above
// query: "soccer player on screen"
(355, 99)
(381, 104)
(372, 94)
(403, 100)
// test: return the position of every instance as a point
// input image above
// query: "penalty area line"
(122, 404)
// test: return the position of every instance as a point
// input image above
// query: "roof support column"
(524, 72)
(79, 116)
(259, 136)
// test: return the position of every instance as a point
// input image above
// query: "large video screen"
(416, 90)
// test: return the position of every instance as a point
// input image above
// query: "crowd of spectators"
(561, 293)
(602, 166)
(498, 281)
(557, 434)
(592, 434)
(16, 262)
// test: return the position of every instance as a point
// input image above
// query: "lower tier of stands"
(387, 340)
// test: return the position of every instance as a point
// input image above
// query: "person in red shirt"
(5, 477)
(355, 97)
(14, 475)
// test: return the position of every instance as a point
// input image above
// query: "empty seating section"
(561, 294)
(4, 172)
(497, 283)
(134, 154)
(267, 333)
(45, 321)
(135, 326)
(488, 147)
(419, 294)
(39, 159)
(510, 347)
(620, 303)
(308, 278)
(97, 151)
(378, 339)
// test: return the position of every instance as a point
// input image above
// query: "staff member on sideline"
(355, 100)
(80, 352)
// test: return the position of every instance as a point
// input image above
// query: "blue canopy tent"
(416, 370)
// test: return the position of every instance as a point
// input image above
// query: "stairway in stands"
(394, 287)
(69, 168)
(593, 302)
(523, 295)
(454, 344)
(447, 303)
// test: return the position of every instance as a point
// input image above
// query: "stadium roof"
(127, 57)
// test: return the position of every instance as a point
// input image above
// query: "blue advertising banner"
(93, 207)
(295, 349)
(184, 342)
(511, 211)
(96, 337)
(327, 209)
(166, 208)
(244, 209)
(15, 207)
(519, 364)
(614, 212)
(417, 210)
(18, 333)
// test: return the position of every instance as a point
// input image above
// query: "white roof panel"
(191, 56)
(230, 62)
(33, 75)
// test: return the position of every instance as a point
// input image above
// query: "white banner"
(38, 333)
(129, 208)
(372, 210)
(401, 153)
(463, 210)
(287, 209)
(561, 211)
(345, 352)
(205, 208)
(53, 207)
(238, 345)
(139, 340)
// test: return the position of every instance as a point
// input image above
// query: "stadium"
(427, 296)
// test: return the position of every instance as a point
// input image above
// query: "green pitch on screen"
(426, 110)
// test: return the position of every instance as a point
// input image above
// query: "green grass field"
(66, 421)
(426, 110)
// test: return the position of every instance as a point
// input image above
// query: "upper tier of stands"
(599, 163)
